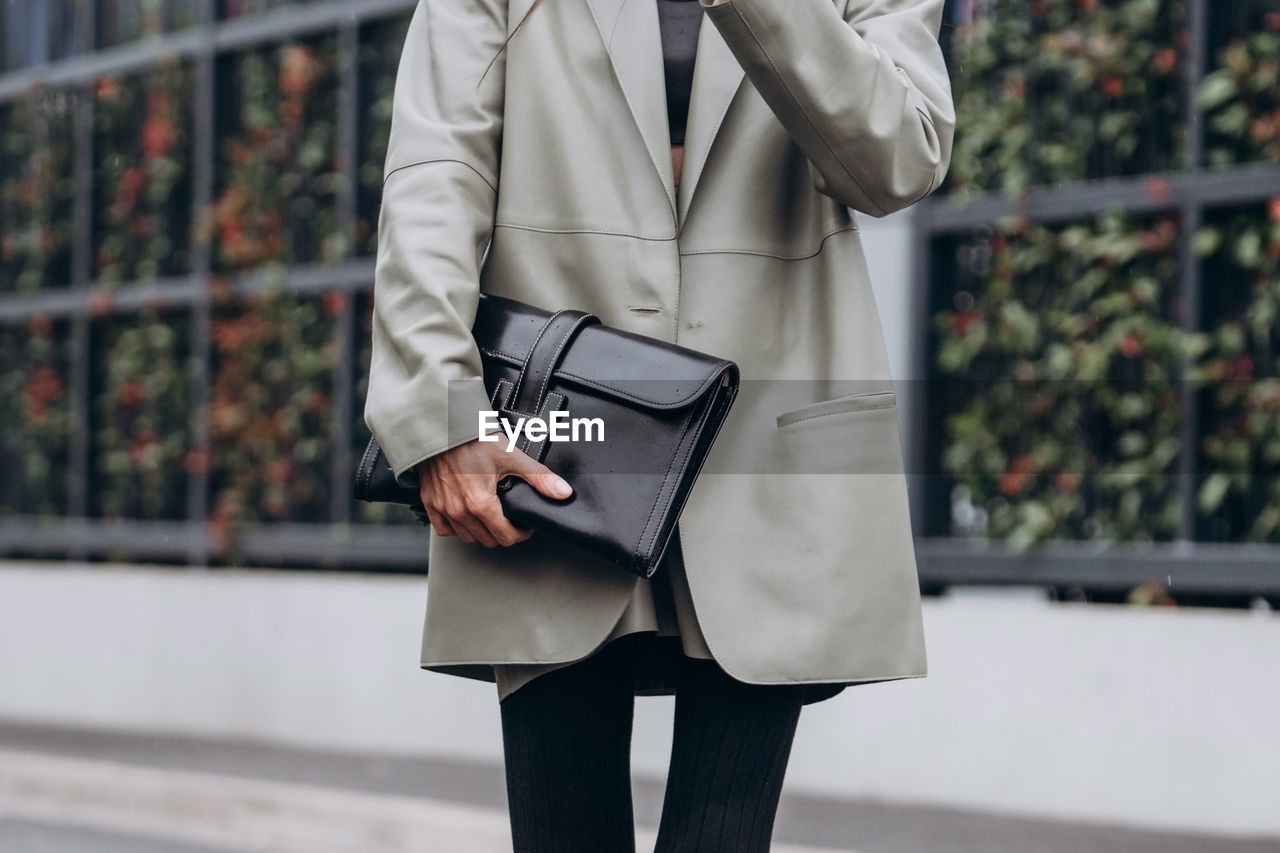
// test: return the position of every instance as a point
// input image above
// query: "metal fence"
(203, 39)
(1186, 564)
(87, 41)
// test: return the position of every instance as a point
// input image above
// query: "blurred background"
(206, 644)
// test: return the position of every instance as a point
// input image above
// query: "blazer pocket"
(840, 405)
(846, 435)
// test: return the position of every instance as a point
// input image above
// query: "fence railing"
(109, 277)
(1138, 212)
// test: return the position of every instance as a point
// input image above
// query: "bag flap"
(643, 370)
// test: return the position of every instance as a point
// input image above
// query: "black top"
(679, 20)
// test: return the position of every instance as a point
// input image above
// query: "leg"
(567, 743)
(729, 753)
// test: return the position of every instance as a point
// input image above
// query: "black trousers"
(567, 745)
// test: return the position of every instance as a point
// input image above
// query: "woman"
(549, 167)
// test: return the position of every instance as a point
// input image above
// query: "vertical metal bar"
(79, 475)
(343, 371)
(1197, 46)
(201, 265)
(1192, 215)
(81, 275)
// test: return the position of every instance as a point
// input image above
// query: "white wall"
(1143, 717)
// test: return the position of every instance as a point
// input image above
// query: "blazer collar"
(633, 40)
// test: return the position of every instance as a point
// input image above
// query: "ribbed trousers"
(567, 745)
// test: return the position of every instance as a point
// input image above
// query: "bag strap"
(544, 357)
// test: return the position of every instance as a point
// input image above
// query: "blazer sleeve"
(866, 96)
(438, 204)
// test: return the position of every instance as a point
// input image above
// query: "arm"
(866, 97)
(426, 382)
(439, 197)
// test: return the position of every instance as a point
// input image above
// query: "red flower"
(1273, 209)
(279, 470)
(1157, 188)
(964, 321)
(1130, 345)
(1014, 480)
(317, 403)
(1065, 481)
(196, 461)
(1165, 60)
(99, 302)
(42, 390)
(1113, 87)
(142, 444)
(333, 303)
(132, 393)
(106, 88)
(41, 326)
(158, 136)
(1241, 368)
(298, 69)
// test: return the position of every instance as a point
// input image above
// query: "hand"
(459, 489)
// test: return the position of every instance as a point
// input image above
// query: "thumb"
(539, 476)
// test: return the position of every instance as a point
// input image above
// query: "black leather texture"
(661, 406)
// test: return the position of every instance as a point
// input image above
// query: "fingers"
(474, 514)
(439, 523)
(461, 502)
(542, 478)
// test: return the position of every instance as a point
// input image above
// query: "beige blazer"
(548, 179)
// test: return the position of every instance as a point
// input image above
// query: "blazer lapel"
(716, 77)
(630, 32)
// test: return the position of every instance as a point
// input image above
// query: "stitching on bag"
(661, 492)
(366, 470)
(555, 358)
(529, 358)
(715, 375)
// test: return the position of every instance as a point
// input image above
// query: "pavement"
(85, 791)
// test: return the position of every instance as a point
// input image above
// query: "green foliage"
(142, 406)
(279, 184)
(1062, 348)
(380, 48)
(270, 417)
(143, 177)
(1240, 373)
(36, 191)
(1064, 90)
(1241, 99)
(368, 513)
(35, 417)
(120, 21)
(1064, 416)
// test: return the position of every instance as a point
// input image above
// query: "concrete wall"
(1144, 717)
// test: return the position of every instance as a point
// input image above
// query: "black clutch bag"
(636, 419)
